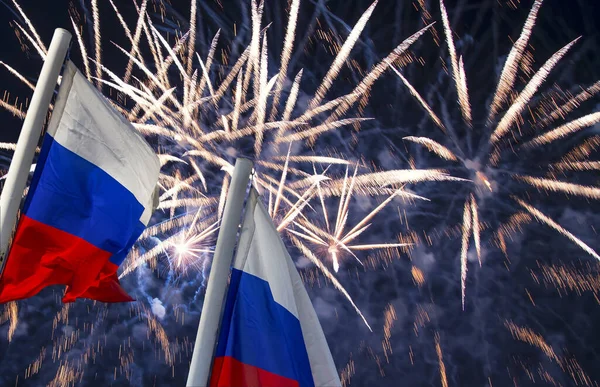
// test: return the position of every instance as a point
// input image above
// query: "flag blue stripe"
(39, 168)
(78, 197)
(258, 331)
(120, 256)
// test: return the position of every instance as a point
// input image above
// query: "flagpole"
(210, 317)
(16, 178)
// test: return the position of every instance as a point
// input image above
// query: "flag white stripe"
(92, 129)
(254, 248)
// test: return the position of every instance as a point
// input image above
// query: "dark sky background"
(478, 349)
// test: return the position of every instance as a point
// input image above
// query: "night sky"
(506, 291)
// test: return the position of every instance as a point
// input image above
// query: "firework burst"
(202, 101)
(486, 151)
(200, 127)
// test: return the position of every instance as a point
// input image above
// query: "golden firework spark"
(567, 363)
(442, 366)
(10, 314)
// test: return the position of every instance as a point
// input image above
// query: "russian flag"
(270, 335)
(89, 200)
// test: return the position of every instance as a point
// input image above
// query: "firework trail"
(438, 350)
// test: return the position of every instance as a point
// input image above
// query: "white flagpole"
(210, 317)
(16, 178)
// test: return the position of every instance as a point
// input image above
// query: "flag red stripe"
(42, 255)
(229, 372)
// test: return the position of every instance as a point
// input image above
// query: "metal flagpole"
(217, 281)
(16, 178)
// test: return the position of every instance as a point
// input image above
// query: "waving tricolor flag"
(269, 333)
(90, 198)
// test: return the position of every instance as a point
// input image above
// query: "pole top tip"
(62, 31)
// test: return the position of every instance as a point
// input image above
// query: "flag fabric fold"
(270, 335)
(89, 200)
